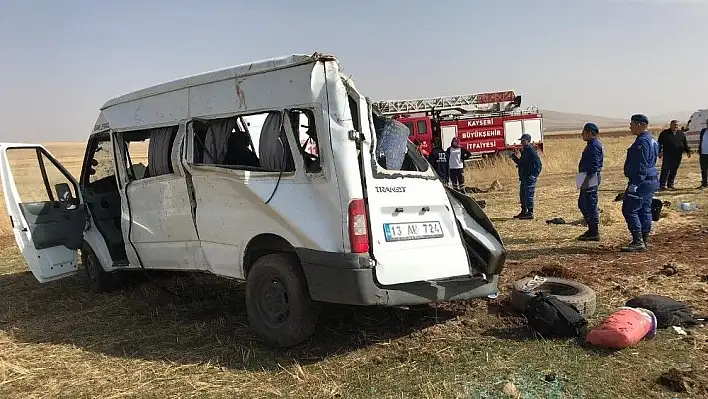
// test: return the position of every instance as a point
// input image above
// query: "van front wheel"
(99, 280)
(278, 301)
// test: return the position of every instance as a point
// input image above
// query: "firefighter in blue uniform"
(529, 168)
(591, 164)
(640, 170)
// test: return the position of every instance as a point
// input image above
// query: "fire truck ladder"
(395, 107)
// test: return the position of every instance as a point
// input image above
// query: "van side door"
(156, 206)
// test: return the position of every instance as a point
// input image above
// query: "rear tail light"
(358, 227)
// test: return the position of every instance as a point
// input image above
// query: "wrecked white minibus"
(306, 209)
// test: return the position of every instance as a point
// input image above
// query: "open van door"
(45, 207)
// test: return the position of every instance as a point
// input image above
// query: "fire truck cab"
(493, 130)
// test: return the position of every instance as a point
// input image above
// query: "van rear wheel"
(278, 301)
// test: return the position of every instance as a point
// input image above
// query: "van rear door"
(413, 233)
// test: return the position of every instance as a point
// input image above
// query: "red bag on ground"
(625, 327)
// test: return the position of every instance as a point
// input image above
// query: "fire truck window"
(422, 127)
(409, 125)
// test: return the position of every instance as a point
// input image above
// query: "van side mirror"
(63, 192)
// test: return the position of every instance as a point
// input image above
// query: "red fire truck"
(485, 123)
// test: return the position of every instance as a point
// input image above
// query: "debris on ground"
(510, 390)
(556, 221)
(554, 270)
(671, 268)
(495, 186)
(679, 330)
(687, 206)
(685, 381)
(624, 328)
(668, 312)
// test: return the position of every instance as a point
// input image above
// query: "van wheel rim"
(274, 305)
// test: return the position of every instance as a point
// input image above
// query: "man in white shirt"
(456, 156)
(703, 151)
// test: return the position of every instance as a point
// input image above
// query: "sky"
(61, 60)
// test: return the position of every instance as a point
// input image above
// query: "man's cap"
(591, 127)
(640, 118)
(526, 137)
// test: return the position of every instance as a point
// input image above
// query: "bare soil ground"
(59, 340)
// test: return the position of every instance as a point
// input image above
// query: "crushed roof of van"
(231, 72)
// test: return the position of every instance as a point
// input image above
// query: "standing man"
(438, 158)
(529, 168)
(591, 163)
(457, 156)
(640, 170)
(703, 151)
(672, 145)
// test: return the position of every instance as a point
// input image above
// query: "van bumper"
(348, 279)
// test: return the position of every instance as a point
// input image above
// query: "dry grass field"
(59, 340)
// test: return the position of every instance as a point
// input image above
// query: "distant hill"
(554, 121)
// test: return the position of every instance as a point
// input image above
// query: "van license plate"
(412, 231)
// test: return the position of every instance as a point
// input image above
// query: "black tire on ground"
(160, 151)
(278, 301)
(99, 280)
(571, 292)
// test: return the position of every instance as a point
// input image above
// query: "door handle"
(426, 209)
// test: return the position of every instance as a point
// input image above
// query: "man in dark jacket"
(529, 166)
(640, 170)
(438, 158)
(591, 164)
(672, 145)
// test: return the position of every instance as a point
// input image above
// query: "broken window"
(101, 165)
(304, 127)
(394, 150)
(148, 153)
(257, 142)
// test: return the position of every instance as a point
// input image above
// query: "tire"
(99, 281)
(160, 152)
(568, 291)
(278, 302)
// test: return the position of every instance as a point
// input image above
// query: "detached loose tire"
(571, 292)
(278, 301)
